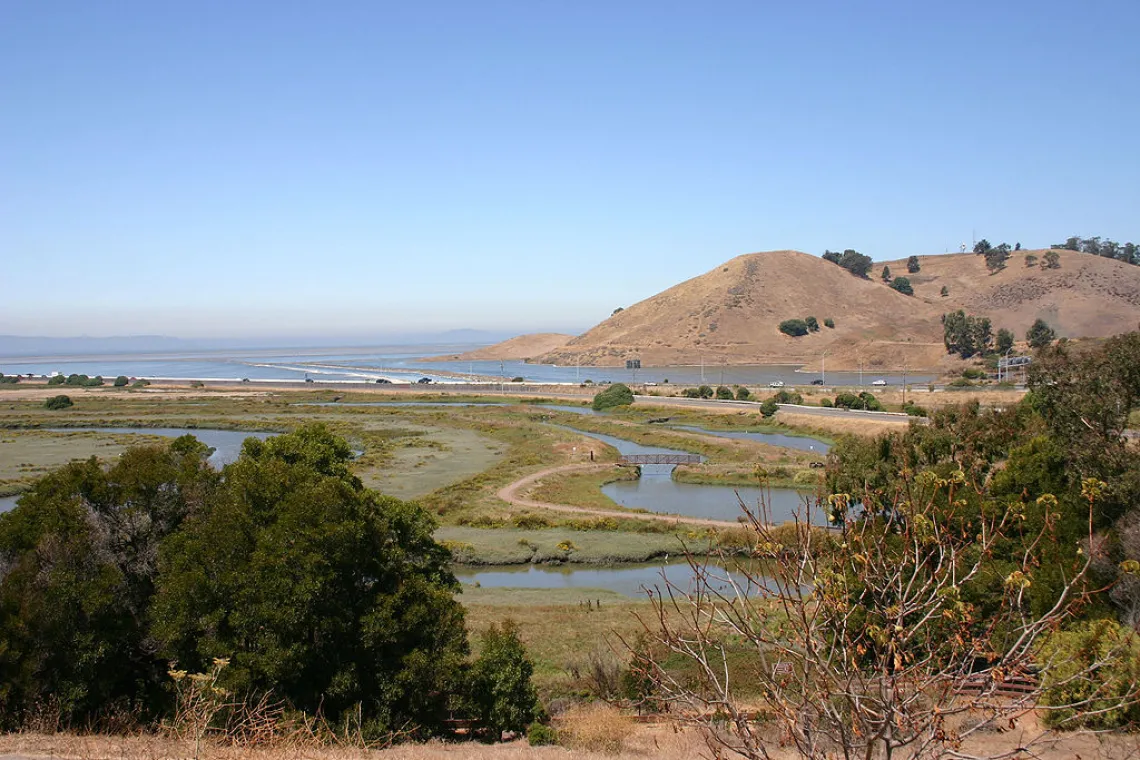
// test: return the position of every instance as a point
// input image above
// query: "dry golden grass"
(595, 727)
(841, 425)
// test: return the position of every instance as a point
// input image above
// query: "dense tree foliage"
(794, 327)
(80, 561)
(862, 400)
(885, 275)
(902, 285)
(724, 393)
(851, 260)
(1068, 430)
(314, 588)
(912, 265)
(966, 335)
(1040, 334)
(503, 696)
(1004, 340)
(617, 394)
(56, 403)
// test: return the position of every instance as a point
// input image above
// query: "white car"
(776, 384)
(879, 382)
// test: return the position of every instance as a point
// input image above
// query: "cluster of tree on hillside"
(1109, 249)
(280, 576)
(798, 327)
(851, 260)
(967, 335)
(985, 550)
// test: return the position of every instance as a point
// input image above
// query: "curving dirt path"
(510, 493)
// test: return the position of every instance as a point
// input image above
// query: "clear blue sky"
(218, 168)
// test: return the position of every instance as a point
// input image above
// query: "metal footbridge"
(661, 459)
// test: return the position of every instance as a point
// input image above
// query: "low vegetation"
(615, 395)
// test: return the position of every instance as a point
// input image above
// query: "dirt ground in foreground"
(665, 741)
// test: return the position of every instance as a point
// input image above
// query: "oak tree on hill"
(912, 265)
(1040, 334)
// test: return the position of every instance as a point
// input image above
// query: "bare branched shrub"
(906, 634)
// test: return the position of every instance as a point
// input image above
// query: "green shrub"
(829, 322)
(140, 383)
(58, 402)
(812, 324)
(826, 402)
(691, 393)
(9, 379)
(501, 689)
(787, 397)
(724, 394)
(769, 408)
(121, 380)
(794, 327)
(902, 285)
(1079, 649)
(742, 393)
(57, 380)
(541, 735)
(617, 394)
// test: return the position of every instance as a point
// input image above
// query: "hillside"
(1087, 297)
(731, 314)
(518, 348)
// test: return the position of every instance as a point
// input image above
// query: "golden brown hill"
(731, 314)
(518, 348)
(1086, 297)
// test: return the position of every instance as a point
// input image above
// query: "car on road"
(879, 382)
(817, 381)
(383, 381)
(776, 384)
(424, 380)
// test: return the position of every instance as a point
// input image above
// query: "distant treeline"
(1129, 253)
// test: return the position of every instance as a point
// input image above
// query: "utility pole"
(702, 369)
(823, 368)
(904, 380)
(860, 373)
(502, 379)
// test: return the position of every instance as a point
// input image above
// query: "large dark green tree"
(317, 589)
(79, 559)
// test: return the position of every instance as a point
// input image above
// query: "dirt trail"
(510, 494)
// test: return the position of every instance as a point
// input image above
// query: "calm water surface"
(800, 443)
(630, 580)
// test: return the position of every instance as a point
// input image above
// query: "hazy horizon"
(213, 169)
